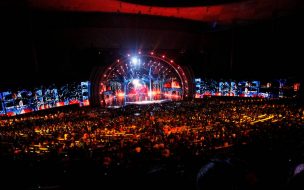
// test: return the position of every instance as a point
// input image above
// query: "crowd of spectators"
(163, 145)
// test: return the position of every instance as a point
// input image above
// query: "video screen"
(197, 88)
(264, 89)
(233, 89)
(2, 112)
(85, 86)
(224, 88)
(9, 102)
(249, 88)
(74, 93)
(44, 97)
(210, 88)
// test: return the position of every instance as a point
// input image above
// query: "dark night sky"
(44, 47)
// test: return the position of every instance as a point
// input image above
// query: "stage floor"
(147, 102)
(140, 103)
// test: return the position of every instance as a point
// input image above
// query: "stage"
(140, 79)
(142, 103)
(147, 102)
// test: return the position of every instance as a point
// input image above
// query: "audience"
(177, 137)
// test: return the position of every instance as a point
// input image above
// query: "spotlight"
(134, 60)
(136, 83)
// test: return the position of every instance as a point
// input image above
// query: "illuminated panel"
(224, 88)
(25, 101)
(85, 89)
(2, 111)
(198, 88)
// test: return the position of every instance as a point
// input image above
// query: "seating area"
(173, 139)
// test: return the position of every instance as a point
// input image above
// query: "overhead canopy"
(222, 11)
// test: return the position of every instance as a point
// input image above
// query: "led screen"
(265, 89)
(44, 97)
(2, 112)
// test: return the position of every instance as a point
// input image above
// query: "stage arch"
(142, 78)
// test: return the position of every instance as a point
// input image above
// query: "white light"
(134, 60)
(136, 83)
